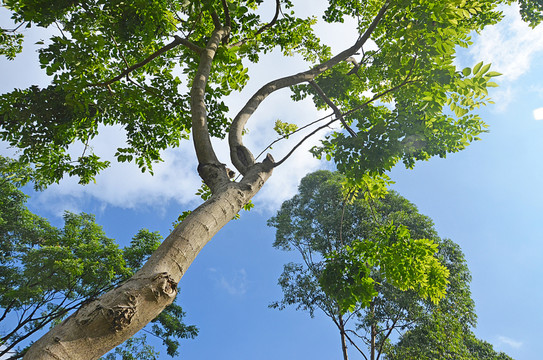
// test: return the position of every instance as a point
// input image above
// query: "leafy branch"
(176, 42)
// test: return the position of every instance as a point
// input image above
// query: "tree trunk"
(103, 323)
(373, 331)
(343, 340)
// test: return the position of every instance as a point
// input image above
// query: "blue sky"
(488, 199)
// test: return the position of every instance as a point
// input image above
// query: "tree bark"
(373, 331)
(106, 322)
(343, 340)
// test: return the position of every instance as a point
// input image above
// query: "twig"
(294, 132)
(59, 29)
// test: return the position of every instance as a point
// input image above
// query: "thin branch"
(7, 309)
(16, 28)
(227, 19)
(336, 110)
(176, 42)
(294, 132)
(120, 52)
(356, 346)
(304, 139)
(385, 338)
(356, 334)
(60, 29)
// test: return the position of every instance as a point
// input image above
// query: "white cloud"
(235, 285)
(538, 113)
(510, 45)
(123, 184)
(510, 342)
(502, 97)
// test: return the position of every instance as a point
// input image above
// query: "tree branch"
(263, 28)
(392, 327)
(356, 346)
(294, 132)
(227, 19)
(304, 139)
(236, 130)
(215, 174)
(336, 110)
(216, 20)
(176, 42)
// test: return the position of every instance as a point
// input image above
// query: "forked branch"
(236, 131)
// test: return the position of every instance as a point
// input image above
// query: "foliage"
(131, 64)
(47, 272)
(443, 336)
(11, 43)
(354, 283)
(284, 129)
(531, 11)
(405, 263)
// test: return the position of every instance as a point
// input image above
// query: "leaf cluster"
(403, 262)
(11, 43)
(396, 96)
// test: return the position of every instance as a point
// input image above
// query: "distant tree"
(46, 273)
(162, 69)
(321, 220)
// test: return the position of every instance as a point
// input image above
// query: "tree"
(320, 220)
(47, 273)
(161, 69)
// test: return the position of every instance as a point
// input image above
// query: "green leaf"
(493, 73)
(477, 67)
(484, 69)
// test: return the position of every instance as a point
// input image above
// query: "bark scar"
(166, 285)
(121, 316)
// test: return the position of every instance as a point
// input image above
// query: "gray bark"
(104, 323)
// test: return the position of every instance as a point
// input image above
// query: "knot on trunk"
(166, 285)
(120, 316)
